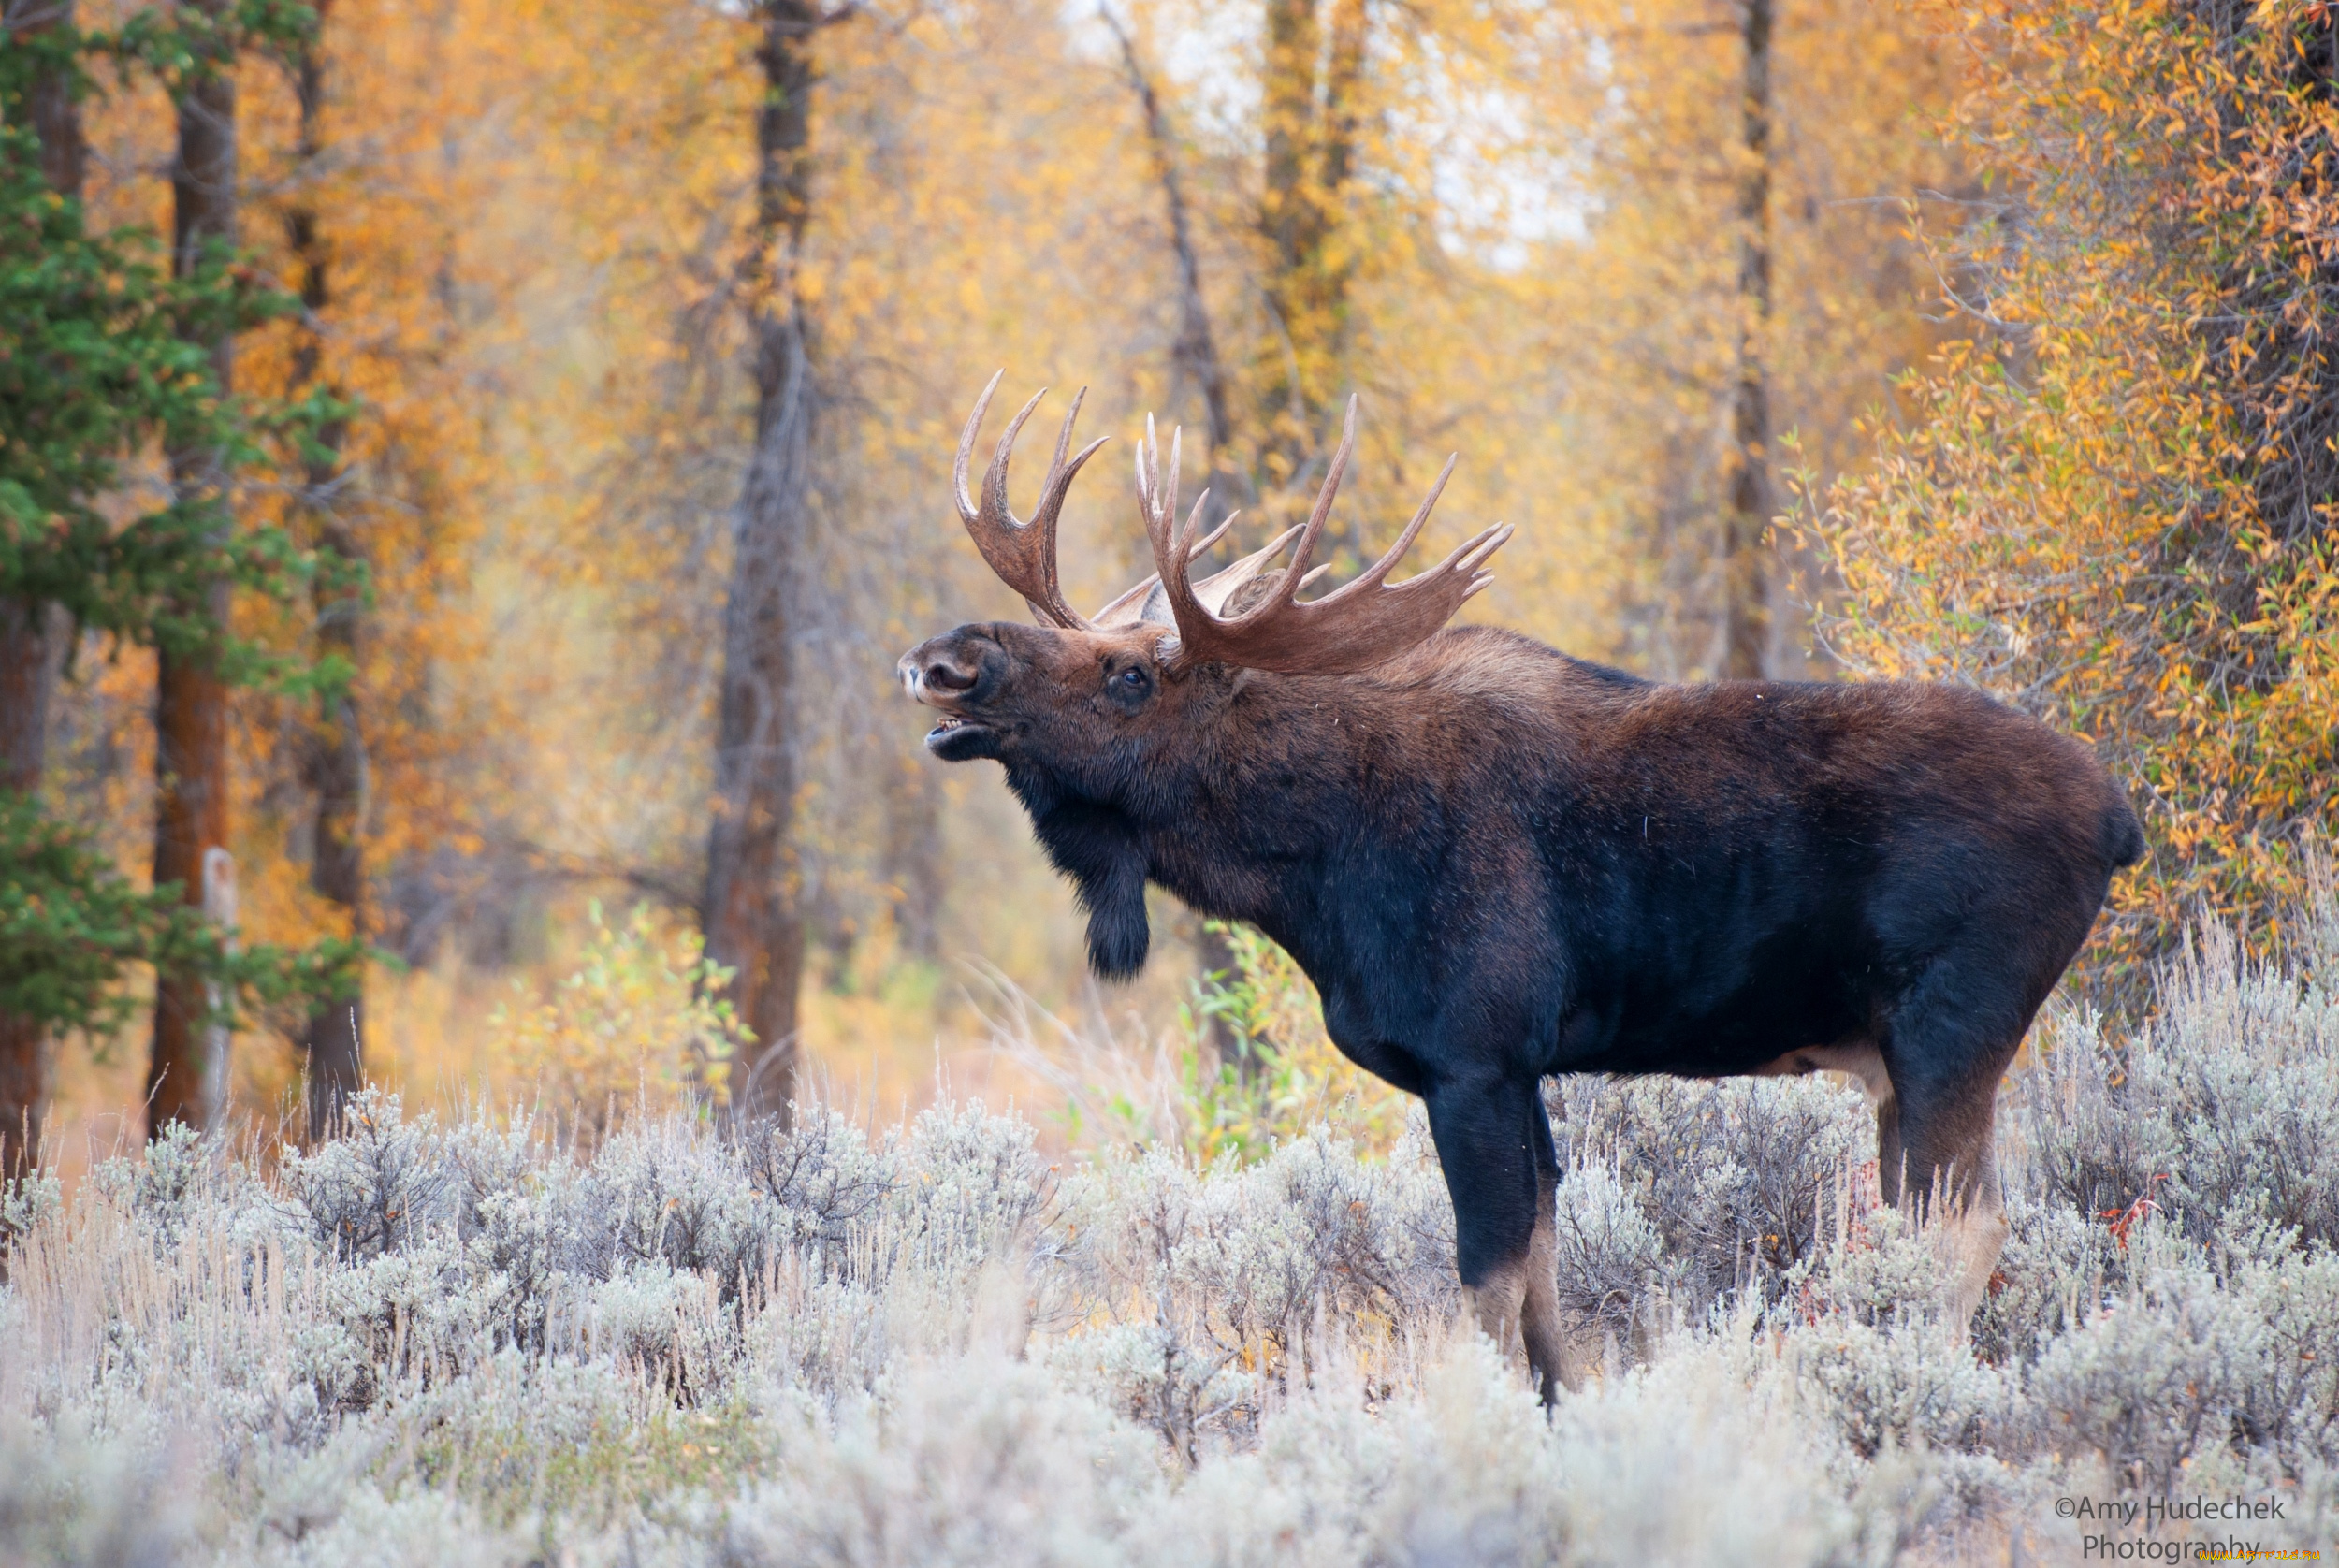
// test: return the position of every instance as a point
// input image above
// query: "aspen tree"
(336, 763)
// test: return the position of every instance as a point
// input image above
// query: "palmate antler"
(1354, 628)
(1023, 554)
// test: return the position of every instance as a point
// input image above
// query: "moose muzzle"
(941, 672)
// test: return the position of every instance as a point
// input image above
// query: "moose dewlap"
(1497, 863)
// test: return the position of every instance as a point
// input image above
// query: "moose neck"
(1239, 821)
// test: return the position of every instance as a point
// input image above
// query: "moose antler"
(1148, 601)
(1022, 553)
(1351, 629)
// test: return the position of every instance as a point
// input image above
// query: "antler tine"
(967, 510)
(994, 505)
(1354, 628)
(1318, 515)
(1148, 462)
(1380, 569)
(1024, 554)
(1129, 604)
(1187, 547)
(1159, 504)
(1297, 575)
(1156, 506)
(1200, 546)
(1058, 484)
(1064, 436)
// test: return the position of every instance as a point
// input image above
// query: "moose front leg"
(1494, 1145)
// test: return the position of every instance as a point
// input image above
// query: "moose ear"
(1107, 864)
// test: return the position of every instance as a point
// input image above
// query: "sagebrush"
(847, 1342)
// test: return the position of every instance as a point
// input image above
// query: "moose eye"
(1133, 678)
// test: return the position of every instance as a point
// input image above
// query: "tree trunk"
(191, 701)
(752, 922)
(33, 636)
(1310, 105)
(1193, 354)
(1292, 219)
(1344, 80)
(334, 1041)
(1745, 588)
(56, 114)
(913, 855)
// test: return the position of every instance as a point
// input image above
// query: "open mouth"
(955, 739)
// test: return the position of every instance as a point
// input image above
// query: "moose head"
(1093, 701)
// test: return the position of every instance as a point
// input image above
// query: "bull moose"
(1498, 862)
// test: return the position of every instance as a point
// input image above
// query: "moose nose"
(928, 667)
(945, 674)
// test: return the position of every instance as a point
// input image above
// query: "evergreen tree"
(101, 353)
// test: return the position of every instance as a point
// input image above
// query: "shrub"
(640, 1020)
(1733, 1176)
(1286, 1076)
(462, 1341)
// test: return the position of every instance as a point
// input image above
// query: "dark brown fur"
(1498, 862)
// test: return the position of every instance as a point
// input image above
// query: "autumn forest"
(467, 469)
(514, 1051)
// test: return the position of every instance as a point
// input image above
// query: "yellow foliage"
(2115, 506)
(638, 1025)
(1288, 1077)
(1650, 92)
(535, 220)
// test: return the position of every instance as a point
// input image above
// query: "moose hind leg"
(1947, 1171)
(1539, 1318)
(1953, 1190)
(1494, 1145)
(1934, 1137)
(1976, 1234)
